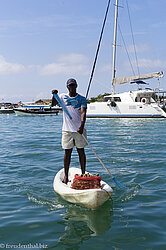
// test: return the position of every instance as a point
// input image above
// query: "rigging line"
(126, 50)
(133, 38)
(98, 47)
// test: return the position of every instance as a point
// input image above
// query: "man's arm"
(83, 119)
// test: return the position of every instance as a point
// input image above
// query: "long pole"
(114, 45)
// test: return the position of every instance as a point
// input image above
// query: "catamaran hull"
(124, 110)
(90, 198)
(124, 116)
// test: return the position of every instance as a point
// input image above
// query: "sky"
(43, 43)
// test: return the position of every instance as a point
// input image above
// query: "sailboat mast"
(114, 45)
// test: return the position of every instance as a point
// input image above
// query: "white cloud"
(139, 48)
(73, 58)
(68, 64)
(158, 25)
(33, 67)
(158, 64)
(106, 68)
(10, 68)
(38, 24)
(145, 66)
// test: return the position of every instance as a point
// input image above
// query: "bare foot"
(65, 180)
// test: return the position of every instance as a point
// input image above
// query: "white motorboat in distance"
(36, 111)
(90, 198)
(4, 110)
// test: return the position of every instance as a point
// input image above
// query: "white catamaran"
(135, 104)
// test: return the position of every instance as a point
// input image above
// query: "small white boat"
(35, 111)
(4, 110)
(90, 198)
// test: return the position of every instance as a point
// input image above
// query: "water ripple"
(132, 149)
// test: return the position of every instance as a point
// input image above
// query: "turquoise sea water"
(33, 216)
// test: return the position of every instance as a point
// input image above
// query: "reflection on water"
(82, 223)
(98, 221)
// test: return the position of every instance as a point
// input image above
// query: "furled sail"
(121, 80)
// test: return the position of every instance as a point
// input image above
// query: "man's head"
(72, 85)
(71, 82)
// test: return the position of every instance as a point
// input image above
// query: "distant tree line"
(99, 98)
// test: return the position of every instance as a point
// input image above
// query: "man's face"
(72, 88)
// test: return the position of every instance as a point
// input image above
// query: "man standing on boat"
(72, 136)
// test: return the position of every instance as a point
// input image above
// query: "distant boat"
(40, 106)
(36, 111)
(131, 104)
(5, 110)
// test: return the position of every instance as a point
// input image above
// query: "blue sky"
(45, 42)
